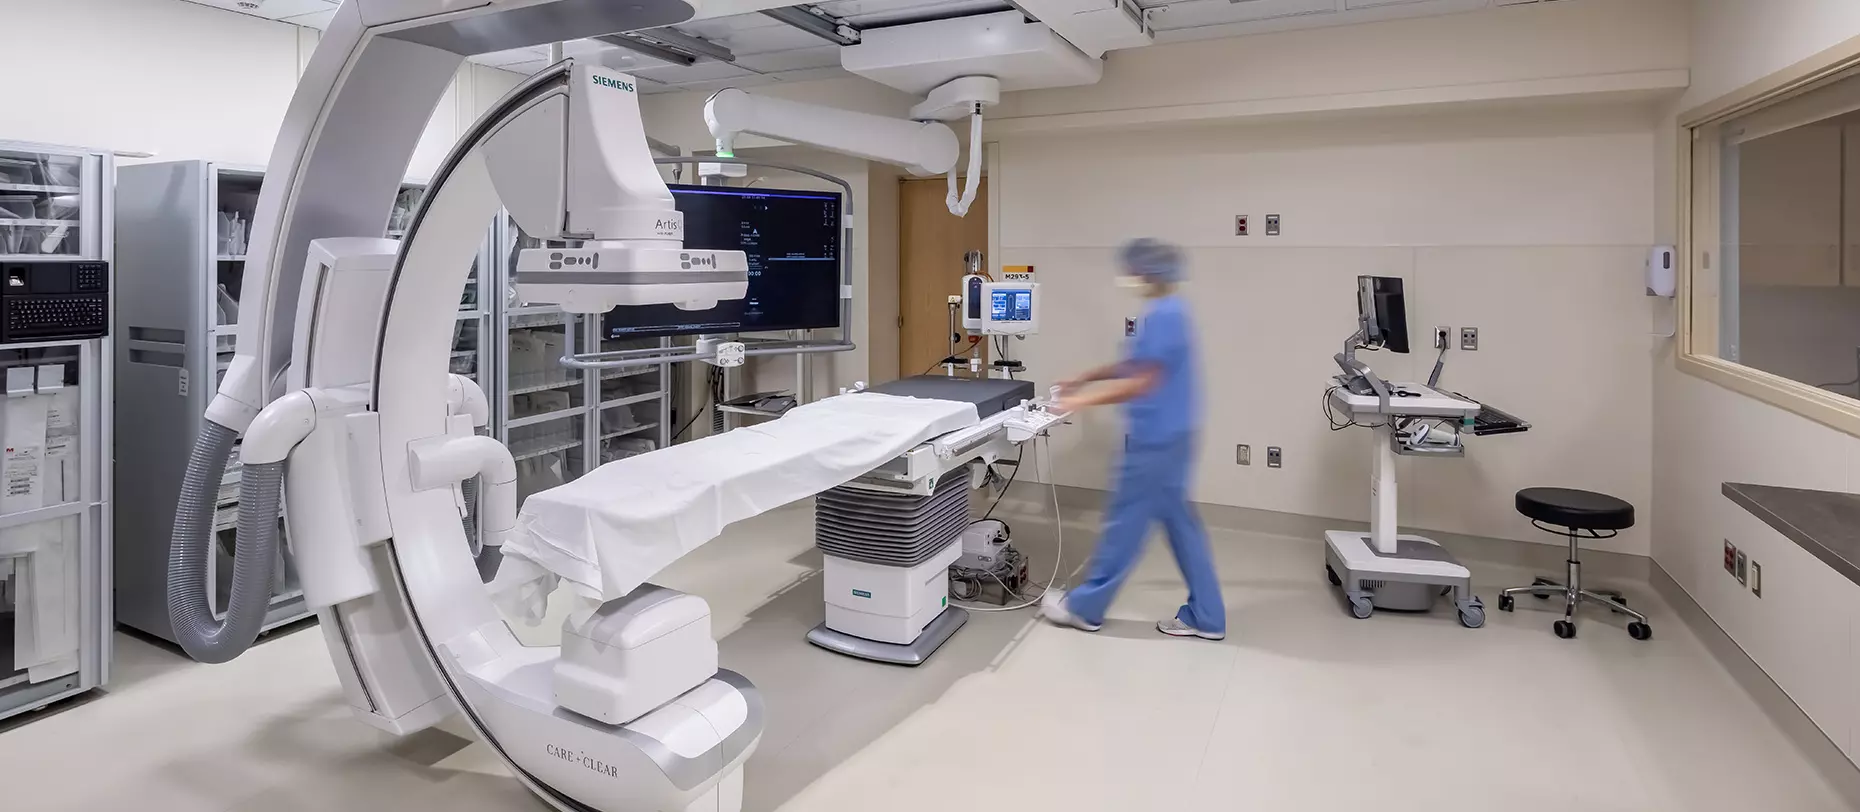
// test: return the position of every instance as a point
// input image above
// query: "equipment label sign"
(860, 593)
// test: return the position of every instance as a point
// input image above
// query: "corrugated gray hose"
(189, 613)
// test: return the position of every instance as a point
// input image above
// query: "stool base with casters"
(1579, 515)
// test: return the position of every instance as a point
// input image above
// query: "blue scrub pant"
(1152, 486)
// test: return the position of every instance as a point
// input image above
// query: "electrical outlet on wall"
(1743, 568)
(1440, 337)
(1469, 339)
(1243, 455)
(1730, 557)
(1756, 579)
(1240, 226)
(1275, 458)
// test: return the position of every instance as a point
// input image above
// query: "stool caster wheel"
(1640, 631)
(1361, 608)
(1334, 580)
(1506, 603)
(1565, 629)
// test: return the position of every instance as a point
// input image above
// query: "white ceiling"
(768, 51)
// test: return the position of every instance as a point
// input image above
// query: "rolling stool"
(1577, 515)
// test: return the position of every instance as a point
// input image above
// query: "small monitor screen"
(792, 239)
(1010, 305)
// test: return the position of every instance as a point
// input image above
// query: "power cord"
(715, 386)
(1330, 415)
(1010, 484)
(1045, 455)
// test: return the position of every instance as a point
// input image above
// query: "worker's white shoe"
(1053, 608)
(1175, 627)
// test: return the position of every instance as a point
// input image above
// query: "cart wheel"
(1640, 631)
(1361, 608)
(1506, 603)
(1334, 580)
(1565, 629)
(1472, 617)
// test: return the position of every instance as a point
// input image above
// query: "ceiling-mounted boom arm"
(924, 148)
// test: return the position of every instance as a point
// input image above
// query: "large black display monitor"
(793, 241)
(1383, 312)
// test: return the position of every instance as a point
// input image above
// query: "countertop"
(1825, 523)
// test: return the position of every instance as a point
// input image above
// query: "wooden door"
(931, 242)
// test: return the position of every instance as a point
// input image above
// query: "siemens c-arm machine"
(340, 377)
(339, 381)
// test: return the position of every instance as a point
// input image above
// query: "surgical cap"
(1151, 259)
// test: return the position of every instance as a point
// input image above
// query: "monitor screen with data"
(1010, 305)
(793, 242)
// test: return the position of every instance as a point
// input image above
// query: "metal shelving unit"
(56, 204)
(184, 227)
(559, 422)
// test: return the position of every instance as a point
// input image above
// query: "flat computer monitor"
(792, 239)
(1383, 313)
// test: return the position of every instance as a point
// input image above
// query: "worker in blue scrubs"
(1158, 381)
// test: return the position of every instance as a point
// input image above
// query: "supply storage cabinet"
(184, 227)
(55, 519)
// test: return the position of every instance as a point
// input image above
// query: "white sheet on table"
(612, 529)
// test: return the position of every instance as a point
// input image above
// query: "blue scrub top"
(1171, 411)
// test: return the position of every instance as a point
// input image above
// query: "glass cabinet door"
(42, 203)
(45, 494)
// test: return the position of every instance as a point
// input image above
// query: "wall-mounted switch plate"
(1756, 579)
(1469, 338)
(1274, 457)
(1743, 568)
(1272, 225)
(1243, 455)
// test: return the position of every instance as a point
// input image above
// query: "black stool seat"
(1580, 510)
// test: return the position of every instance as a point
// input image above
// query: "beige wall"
(1530, 225)
(1801, 630)
(180, 80)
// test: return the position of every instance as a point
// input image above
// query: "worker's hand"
(1070, 402)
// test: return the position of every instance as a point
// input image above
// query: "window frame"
(1697, 136)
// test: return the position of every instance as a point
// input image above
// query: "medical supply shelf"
(56, 205)
(559, 422)
(186, 226)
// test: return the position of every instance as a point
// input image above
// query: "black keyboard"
(1491, 421)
